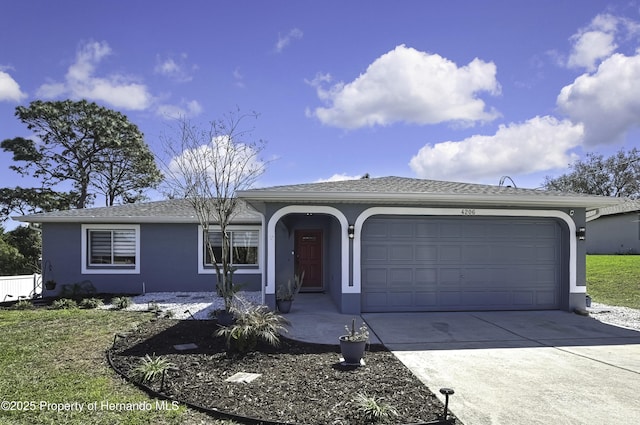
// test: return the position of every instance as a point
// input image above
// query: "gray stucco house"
(614, 229)
(372, 245)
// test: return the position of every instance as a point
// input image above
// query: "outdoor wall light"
(351, 231)
(581, 233)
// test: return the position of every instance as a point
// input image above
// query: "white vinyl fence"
(13, 288)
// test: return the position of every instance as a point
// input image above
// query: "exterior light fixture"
(581, 233)
(351, 231)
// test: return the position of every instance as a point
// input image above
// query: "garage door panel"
(448, 264)
(401, 299)
(426, 276)
(375, 253)
(450, 253)
(426, 299)
(401, 230)
(376, 278)
(400, 276)
(425, 230)
(376, 300)
(449, 298)
(401, 253)
(426, 253)
(485, 298)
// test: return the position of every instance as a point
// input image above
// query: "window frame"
(240, 268)
(88, 268)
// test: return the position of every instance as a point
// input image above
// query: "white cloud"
(184, 110)
(175, 68)
(9, 88)
(338, 177)
(406, 85)
(539, 144)
(239, 161)
(284, 41)
(590, 48)
(80, 82)
(593, 43)
(238, 78)
(607, 101)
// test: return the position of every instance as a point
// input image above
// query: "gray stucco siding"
(614, 234)
(168, 261)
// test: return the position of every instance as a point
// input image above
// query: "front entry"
(308, 256)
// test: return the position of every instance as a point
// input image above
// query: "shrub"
(372, 410)
(64, 304)
(23, 305)
(120, 303)
(253, 323)
(151, 368)
(78, 290)
(91, 303)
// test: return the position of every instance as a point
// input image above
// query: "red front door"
(308, 249)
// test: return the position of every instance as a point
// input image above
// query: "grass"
(58, 356)
(614, 279)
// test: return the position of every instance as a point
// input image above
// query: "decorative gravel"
(618, 316)
(186, 305)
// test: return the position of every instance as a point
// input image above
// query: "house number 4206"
(468, 211)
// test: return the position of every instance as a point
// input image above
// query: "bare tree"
(207, 165)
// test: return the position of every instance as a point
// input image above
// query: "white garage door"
(460, 263)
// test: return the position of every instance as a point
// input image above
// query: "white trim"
(85, 269)
(357, 243)
(249, 269)
(270, 287)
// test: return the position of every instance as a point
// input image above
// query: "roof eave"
(120, 220)
(587, 202)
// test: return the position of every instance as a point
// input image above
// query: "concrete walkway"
(537, 367)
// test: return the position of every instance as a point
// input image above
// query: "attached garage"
(401, 244)
(445, 263)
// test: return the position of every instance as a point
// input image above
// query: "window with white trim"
(244, 251)
(110, 249)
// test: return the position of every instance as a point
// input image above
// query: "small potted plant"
(50, 285)
(287, 292)
(353, 344)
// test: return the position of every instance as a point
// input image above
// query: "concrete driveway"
(536, 367)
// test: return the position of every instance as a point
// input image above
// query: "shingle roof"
(383, 190)
(403, 189)
(173, 211)
(627, 206)
(401, 185)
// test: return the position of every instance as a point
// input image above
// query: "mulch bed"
(300, 383)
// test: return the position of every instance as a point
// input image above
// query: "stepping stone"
(243, 377)
(184, 347)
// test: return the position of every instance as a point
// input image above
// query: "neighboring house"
(373, 245)
(614, 229)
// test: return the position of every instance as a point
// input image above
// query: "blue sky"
(449, 90)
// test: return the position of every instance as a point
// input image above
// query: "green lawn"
(58, 356)
(614, 279)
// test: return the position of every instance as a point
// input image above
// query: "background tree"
(617, 175)
(32, 200)
(28, 242)
(207, 166)
(88, 145)
(11, 261)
